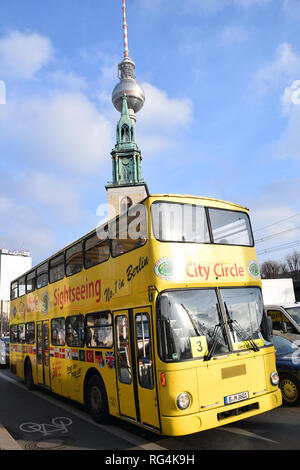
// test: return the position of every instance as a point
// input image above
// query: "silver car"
(4, 350)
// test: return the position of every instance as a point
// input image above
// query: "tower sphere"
(134, 92)
(129, 86)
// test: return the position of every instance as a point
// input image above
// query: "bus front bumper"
(219, 416)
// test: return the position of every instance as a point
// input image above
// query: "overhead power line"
(276, 223)
(274, 235)
(283, 246)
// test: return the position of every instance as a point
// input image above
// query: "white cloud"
(22, 55)
(284, 67)
(68, 80)
(63, 131)
(291, 97)
(288, 144)
(161, 118)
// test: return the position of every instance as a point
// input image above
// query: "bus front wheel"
(97, 400)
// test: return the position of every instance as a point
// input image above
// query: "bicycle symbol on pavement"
(58, 425)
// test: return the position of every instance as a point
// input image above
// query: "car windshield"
(294, 313)
(283, 346)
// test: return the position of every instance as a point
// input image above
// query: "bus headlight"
(183, 401)
(274, 378)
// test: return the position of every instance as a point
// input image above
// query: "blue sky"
(221, 118)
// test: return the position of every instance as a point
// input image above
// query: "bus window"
(75, 331)
(179, 222)
(58, 332)
(229, 227)
(96, 251)
(129, 231)
(99, 332)
(42, 276)
(144, 353)
(74, 259)
(30, 282)
(14, 290)
(21, 333)
(22, 286)
(57, 268)
(30, 333)
(14, 334)
(123, 351)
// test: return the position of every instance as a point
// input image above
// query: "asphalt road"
(40, 420)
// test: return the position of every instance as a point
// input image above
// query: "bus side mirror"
(267, 327)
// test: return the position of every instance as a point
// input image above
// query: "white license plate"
(236, 398)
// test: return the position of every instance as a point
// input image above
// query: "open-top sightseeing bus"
(156, 317)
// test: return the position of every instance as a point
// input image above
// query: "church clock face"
(125, 161)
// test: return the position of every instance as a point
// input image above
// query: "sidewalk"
(6, 440)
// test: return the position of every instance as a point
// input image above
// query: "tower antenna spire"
(126, 51)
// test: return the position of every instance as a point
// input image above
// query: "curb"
(6, 440)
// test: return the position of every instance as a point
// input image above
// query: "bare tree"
(291, 266)
(270, 269)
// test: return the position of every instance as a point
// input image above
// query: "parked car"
(288, 368)
(4, 350)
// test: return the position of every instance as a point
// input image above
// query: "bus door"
(135, 371)
(42, 353)
(146, 384)
(125, 376)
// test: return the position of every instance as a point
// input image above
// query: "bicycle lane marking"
(57, 425)
(133, 440)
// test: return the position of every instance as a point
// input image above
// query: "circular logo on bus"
(164, 268)
(253, 269)
(45, 304)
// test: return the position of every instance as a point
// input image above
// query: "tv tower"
(128, 83)
(128, 186)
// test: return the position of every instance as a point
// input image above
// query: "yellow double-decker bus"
(155, 317)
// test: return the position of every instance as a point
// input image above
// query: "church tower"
(127, 186)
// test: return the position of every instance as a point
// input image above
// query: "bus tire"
(28, 377)
(96, 399)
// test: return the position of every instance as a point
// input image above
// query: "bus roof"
(202, 198)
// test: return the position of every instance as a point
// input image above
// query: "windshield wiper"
(241, 333)
(193, 322)
(214, 341)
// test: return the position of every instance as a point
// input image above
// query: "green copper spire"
(125, 129)
(126, 156)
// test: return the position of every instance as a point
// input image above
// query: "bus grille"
(237, 411)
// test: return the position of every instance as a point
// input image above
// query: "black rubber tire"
(28, 378)
(290, 389)
(96, 400)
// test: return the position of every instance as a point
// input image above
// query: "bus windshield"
(188, 314)
(244, 305)
(174, 222)
(294, 313)
(196, 313)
